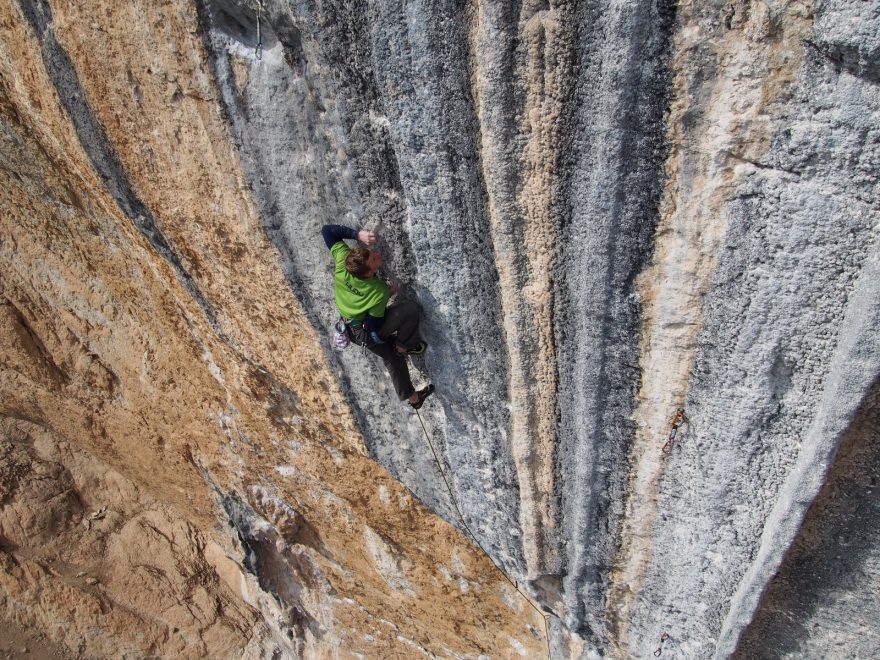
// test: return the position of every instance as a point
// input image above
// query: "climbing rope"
(452, 498)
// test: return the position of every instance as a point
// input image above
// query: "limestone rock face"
(609, 212)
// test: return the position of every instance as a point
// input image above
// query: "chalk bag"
(341, 340)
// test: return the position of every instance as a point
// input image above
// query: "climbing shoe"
(422, 394)
(417, 350)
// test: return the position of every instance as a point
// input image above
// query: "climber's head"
(363, 262)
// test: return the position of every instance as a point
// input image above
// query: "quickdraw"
(678, 419)
(659, 650)
(258, 51)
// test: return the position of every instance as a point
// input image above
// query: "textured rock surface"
(607, 210)
(829, 578)
(103, 569)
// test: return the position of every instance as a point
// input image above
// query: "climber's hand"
(367, 237)
(394, 287)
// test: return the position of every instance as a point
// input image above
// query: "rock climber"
(391, 332)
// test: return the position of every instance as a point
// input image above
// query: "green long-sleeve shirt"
(357, 296)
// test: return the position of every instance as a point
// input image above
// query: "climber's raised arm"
(334, 233)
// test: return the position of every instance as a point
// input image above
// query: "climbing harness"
(659, 650)
(353, 330)
(678, 419)
(258, 51)
(452, 498)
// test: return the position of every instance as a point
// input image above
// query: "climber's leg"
(397, 368)
(402, 320)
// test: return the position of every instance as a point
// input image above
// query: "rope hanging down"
(452, 498)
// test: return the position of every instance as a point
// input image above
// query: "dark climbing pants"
(401, 326)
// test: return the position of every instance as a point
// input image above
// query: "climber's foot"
(417, 399)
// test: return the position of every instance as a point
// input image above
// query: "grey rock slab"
(613, 165)
(788, 352)
(821, 602)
